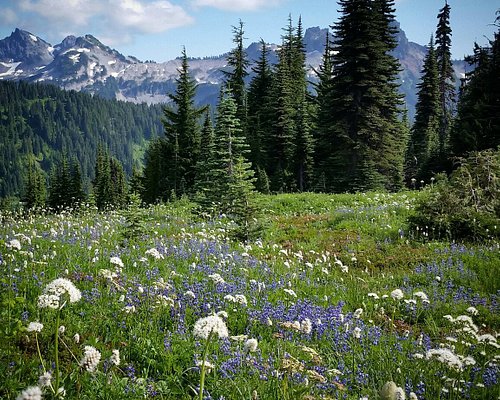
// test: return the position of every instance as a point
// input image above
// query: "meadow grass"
(317, 289)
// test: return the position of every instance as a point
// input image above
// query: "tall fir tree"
(229, 176)
(35, 189)
(154, 180)
(477, 126)
(261, 116)
(446, 81)
(304, 147)
(366, 132)
(235, 78)
(182, 133)
(423, 146)
(322, 117)
(109, 184)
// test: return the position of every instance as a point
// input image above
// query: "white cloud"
(141, 16)
(237, 5)
(118, 20)
(8, 16)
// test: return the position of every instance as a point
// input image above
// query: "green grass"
(148, 314)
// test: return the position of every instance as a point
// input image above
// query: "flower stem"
(56, 350)
(203, 367)
(39, 352)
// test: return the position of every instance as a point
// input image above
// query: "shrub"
(467, 205)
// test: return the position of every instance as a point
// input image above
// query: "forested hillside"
(47, 122)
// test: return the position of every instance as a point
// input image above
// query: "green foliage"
(467, 206)
(35, 186)
(133, 228)
(46, 122)
(477, 126)
(446, 80)
(226, 185)
(423, 146)
(366, 137)
(109, 185)
(66, 185)
(182, 134)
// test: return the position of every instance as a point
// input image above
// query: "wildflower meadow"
(334, 297)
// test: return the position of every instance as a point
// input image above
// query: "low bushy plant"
(467, 205)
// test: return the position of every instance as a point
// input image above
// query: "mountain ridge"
(85, 64)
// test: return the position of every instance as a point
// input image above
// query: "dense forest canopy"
(44, 122)
(351, 133)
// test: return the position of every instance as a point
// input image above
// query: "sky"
(158, 29)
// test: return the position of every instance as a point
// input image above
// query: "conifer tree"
(204, 162)
(446, 78)
(366, 133)
(235, 77)
(477, 126)
(260, 116)
(182, 133)
(155, 171)
(423, 145)
(229, 180)
(322, 118)
(35, 191)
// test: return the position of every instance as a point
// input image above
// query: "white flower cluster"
(51, 297)
(45, 380)
(213, 323)
(397, 294)
(91, 358)
(14, 244)
(153, 252)
(116, 261)
(31, 393)
(238, 298)
(34, 327)
(250, 346)
(447, 357)
(115, 357)
(216, 278)
(391, 391)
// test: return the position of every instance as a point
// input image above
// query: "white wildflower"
(190, 293)
(446, 356)
(129, 309)
(14, 244)
(422, 296)
(31, 393)
(391, 391)
(116, 261)
(52, 293)
(213, 323)
(115, 357)
(153, 252)
(397, 294)
(306, 326)
(76, 338)
(373, 295)
(357, 313)
(208, 365)
(107, 274)
(222, 314)
(62, 329)
(241, 299)
(250, 345)
(34, 327)
(45, 379)
(290, 292)
(239, 338)
(413, 396)
(472, 310)
(356, 332)
(216, 278)
(91, 358)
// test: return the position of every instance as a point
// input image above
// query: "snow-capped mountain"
(84, 63)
